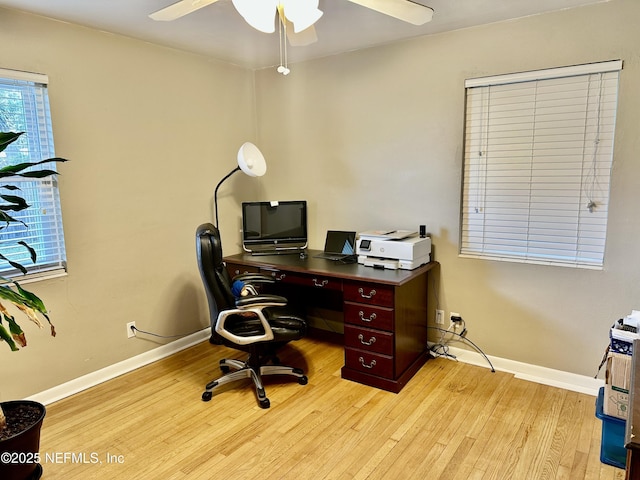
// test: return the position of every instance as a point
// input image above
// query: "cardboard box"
(617, 385)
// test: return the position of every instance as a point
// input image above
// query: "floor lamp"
(250, 161)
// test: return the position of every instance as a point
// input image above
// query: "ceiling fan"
(298, 16)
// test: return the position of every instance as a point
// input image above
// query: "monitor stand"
(291, 250)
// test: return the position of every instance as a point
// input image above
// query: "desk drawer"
(277, 275)
(237, 268)
(374, 294)
(316, 281)
(371, 363)
(368, 340)
(368, 316)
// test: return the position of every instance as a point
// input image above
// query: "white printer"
(397, 249)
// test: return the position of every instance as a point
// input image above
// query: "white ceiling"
(218, 31)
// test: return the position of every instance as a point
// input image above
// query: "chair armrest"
(262, 300)
(253, 278)
(223, 332)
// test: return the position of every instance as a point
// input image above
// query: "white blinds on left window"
(24, 107)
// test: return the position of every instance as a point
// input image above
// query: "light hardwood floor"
(452, 421)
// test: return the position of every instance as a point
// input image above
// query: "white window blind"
(537, 165)
(24, 107)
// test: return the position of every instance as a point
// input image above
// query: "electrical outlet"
(439, 317)
(451, 315)
(130, 329)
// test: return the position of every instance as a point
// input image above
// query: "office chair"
(248, 321)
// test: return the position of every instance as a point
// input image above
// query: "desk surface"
(321, 266)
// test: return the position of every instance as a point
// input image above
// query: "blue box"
(612, 450)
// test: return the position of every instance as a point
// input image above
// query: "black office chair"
(249, 321)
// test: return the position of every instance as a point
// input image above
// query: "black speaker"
(423, 231)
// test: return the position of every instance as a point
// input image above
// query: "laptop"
(339, 245)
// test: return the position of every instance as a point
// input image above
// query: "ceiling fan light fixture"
(260, 14)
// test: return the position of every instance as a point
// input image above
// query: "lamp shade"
(251, 161)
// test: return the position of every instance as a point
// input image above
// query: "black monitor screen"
(274, 223)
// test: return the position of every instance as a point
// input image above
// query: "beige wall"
(373, 139)
(149, 131)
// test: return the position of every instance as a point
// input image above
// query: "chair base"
(243, 370)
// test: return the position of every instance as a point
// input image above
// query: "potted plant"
(20, 421)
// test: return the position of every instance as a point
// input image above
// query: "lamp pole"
(215, 193)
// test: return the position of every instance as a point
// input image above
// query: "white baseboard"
(524, 371)
(95, 378)
(532, 373)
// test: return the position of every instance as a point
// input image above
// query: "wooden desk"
(632, 434)
(384, 311)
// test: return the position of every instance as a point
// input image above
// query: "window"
(24, 107)
(537, 165)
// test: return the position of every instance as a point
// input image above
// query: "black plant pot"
(19, 454)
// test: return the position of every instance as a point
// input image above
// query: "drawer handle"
(362, 294)
(320, 284)
(278, 277)
(371, 365)
(371, 341)
(371, 318)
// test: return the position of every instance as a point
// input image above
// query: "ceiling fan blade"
(303, 38)
(405, 10)
(260, 14)
(180, 9)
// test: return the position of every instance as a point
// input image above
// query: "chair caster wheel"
(265, 403)
(206, 396)
(303, 380)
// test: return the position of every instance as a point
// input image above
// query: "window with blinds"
(24, 107)
(537, 165)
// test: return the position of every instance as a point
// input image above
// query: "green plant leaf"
(28, 303)
(9, 219)
(15, 204)
(4, 335)
(12, 170)
(7, 138)
(37, 174)
(16, 332)
(17, 265)
(32, 252)
(32, 300)
(11, 295)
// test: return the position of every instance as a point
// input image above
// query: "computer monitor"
(274, 227)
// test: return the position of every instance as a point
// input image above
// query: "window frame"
(489, 229)
(27, 93)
